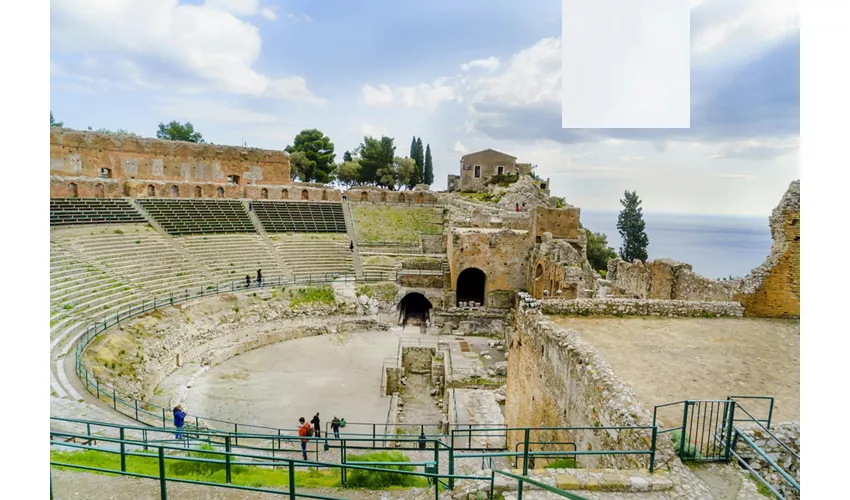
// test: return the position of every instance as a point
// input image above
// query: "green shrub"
(382, 291)
(560, 202)
(503, 180)
(562, 463)
(689, 451)
(603, 273)
(118, 231)
(310, 295)
(376, 480)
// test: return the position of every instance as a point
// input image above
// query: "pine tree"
(347, 156)
(428, 175)
(631, 226)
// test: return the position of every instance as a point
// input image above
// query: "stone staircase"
(352, 235)
(314, 253)
(231, 257)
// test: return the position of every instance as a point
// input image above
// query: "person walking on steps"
(317, 425)
(247, 281)
(259, 278)
(351, 245)
(335, 426)
(305, 431)
(179, 417)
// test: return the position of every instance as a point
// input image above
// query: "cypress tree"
(428, 176)
(631, 226)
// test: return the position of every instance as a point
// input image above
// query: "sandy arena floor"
(671, 359)
(274, 385)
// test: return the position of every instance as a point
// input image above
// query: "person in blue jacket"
(179, 417)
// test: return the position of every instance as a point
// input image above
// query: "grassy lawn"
(395, 224)
(311, 295)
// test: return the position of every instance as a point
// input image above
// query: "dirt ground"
(671, 359)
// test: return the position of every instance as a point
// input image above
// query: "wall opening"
(364, 196)
(539, 271)
(401, 198)
(233, 179)
(305, 195)
(151, 190)
(477, 170)
(174, 191)
(284, 194)
(384, 196)
(414, 309)
(325, 194)
(542, 185)
(470, 285)
(264, 194)
(74, 191)
(98, 191)
(500, 169)
(198, 192)
(220, 192)
(105, 173)
(420, 198)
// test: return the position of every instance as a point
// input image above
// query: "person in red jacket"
(304, 431)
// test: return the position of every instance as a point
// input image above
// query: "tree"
(419, 158)
(428, 174)
(298, 164)
(348, 174)
(347, 156)
(54, 123)
(405, 169)
(319, 151)
(631, 226)
(377, 155)
(176, 131)
(598, 251)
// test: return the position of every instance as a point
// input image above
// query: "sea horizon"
(716, 246)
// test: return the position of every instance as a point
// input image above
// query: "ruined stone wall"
(417, 359)
(485, 321)
(642, 307)
(773, 289)
(789, 434)
(295, 191)
(502, 255)
(560, 222)
(376, 195)
(665, 279)
(420, 280)
(77, 153)
(84, 187)
(556, 379)
(164, 189)
(561, 265)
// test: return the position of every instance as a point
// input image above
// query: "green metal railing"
(522, 480)
(758, 475)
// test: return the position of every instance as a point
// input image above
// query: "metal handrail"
(522, 479)
(790, 480)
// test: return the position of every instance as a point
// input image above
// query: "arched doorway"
(98, 191)
(384, 196)
(74, 191)
(414, 309)
(220, 192)
(284, 194)
(175, 191)
(264, 194)
(151, 191)
(401, 197)
(420, 198)
(364, 196)
(471, 286)
(305, 195)
(198, 192)
(325, 194)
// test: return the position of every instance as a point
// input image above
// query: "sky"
(462, 75)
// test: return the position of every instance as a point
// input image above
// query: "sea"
(717, 246)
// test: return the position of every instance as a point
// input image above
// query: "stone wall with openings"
(642, 307)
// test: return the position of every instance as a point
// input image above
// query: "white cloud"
(299, 17)
(459, 148)
(210, 110)
(490, 64)
(735, 176)
(379, 96)
(268, 14)
(630, 159)
(579, 156)
(369, 129)
(236, 7)
(756, 150)
(187, 47)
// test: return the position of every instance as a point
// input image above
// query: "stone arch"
(198, 192)
(401, 198)
(420, 198)
(151, 191)
(414, 308)
(471, 285)
(325, 194)
(284, 194)
(75, 192)
(220, 192)
(264, 194)
(305, 195)
(364, 196)
(174, 191)
(384, 196)
(99, 191)
(537, 289)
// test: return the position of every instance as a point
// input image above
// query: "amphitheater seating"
(232, 256)
(380, 265)
(139, 255)
(300, 217)
(306, 253)
(188, 216)
(80, 211)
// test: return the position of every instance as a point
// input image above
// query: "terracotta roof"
(486, 150)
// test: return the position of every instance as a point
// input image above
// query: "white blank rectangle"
(625, 64)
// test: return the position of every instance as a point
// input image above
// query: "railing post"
(114, 400)
(136, 404)
(452, 465)
(492, 482)
(652, 456)
(729, 430)
(227, 459)
(123, 458)
(236, 433)
(684, 432)
(291, 480)
(373, 436)
(162, 488)
(97, 387)
(163, 417)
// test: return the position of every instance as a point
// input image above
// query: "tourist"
(259, 278)
(247, 281)
(179, 417)
(317, 425)
(517, 207)
(335, 426)
(250, 206)
(304, 431)
(351, 245)
(422, 439)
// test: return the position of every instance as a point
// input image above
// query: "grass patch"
(562, 463)
(382, 291)
(311, 295)
(503, 180)
(375, 480)
(212, 472)
(690, 452)
(118, 231)
(395, 224)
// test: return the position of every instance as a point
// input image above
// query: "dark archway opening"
(414, 309)
(470, 286)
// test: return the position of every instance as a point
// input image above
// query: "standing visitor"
(351, 245)
(304, 431)
(335, 426)
(517, 207)
(250, 206)
(247, 281)
(317, 425)
(179, 417)
(260, 278)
